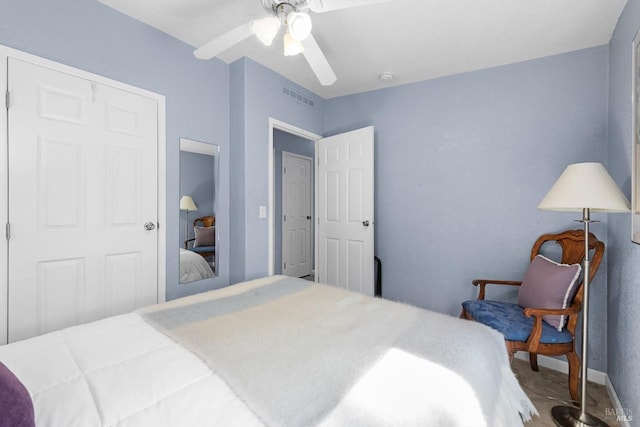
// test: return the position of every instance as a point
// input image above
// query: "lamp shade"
(585, 185)
(187, 204)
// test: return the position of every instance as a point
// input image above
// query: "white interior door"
(82, 186)
(296, 214)
(345, 211)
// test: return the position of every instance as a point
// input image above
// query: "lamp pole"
(568, 416)
(186, 226)
(586, 219)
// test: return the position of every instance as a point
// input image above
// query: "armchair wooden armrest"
(484, 282)
(534, 339)
(539, 312)
(186, 242)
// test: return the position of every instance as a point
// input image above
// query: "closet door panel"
(82, 184)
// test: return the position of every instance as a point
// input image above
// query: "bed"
(193, 267)
(275, 351)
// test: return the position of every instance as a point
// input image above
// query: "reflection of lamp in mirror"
(187, 204)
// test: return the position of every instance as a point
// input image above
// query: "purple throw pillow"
(548, 284)
(205, 236)
(16, 408)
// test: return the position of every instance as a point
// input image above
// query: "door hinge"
(284, 170)
(7, 99)
(285, 218)
(285, 265)
(8, 231)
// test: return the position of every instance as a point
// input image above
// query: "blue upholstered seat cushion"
(203, 249)
(509, 319)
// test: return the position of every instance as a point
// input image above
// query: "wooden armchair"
(204, 240)
(523, 327)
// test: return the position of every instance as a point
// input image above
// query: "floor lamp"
(187, 204)
(583, 187)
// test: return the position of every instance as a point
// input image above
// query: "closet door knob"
(149, 226)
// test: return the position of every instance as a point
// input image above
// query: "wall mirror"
(198, 236)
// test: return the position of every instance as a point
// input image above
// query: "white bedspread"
(193, 267)
(303, 354)
(271, 355)
(120, 371)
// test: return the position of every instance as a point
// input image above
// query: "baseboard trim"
(594, 375)
(559, 365)
(617, 405)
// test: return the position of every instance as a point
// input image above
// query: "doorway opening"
(301, 146)
(294, 192)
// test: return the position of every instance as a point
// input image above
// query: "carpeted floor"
(547, 388)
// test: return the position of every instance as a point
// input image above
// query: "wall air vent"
(296, 96)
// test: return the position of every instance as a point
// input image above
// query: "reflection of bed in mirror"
(203, 243)
(193, 267)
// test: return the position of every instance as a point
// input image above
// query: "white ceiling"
(413, 39)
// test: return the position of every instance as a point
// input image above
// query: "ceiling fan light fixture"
(292, 46)
(266, 29)
(299, 25)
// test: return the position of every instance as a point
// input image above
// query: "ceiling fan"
(293, 16)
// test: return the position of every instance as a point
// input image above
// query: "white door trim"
(294, 130)
(4, 206)
(7, 52)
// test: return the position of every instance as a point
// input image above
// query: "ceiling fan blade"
(320, 6)
(318, 62)
(224, 42)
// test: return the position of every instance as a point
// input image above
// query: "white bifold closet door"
(82, 200)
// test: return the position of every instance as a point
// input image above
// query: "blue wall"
(93, 37)
(463, 161)
(261, 98)
(283, 141)
(237, 196)
(623, 298)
